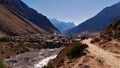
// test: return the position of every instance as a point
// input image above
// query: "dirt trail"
(110, 58)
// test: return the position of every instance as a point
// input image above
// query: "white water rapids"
(44, 61)
(33, 59)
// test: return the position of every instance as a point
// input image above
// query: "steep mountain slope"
(62, 26)
(110, 39)
(12, 23)
(99, 22)
(113, 30)
(32, 15)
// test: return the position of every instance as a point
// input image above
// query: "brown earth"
(96, 58)
(62, 54)
(112, 46)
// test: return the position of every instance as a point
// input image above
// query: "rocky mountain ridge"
(15, 24)
(30, 14)
(62, 26)
(99, 22)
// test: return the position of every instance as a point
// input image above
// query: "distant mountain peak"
(61, 25)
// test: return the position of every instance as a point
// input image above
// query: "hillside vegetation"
(110, 39)
(70, 53)
(113, 30)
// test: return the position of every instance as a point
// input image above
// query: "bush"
(2, 65)
(117, 23)
(118, 27)
(107, 38)
(95, 40)
(78, 51)
(110, 26)
(33, 40)
(117, 34)
(113, 30)
(83, 37)
(4, 39)
(53, 45)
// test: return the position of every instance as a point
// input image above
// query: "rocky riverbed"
(33, 59)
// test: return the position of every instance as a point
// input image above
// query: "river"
(44, 62)
(33, 59)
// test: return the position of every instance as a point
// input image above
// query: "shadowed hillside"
(31, 15)
(12, 23)
(99, 22)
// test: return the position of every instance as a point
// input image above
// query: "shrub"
(53, 45)
(2, 65)
(117, 34)
(107, 38)
(83, 37)
(118, 27)
(4, 39)
(95, 40)
(110, 26)
(78, 51)
(117, 23)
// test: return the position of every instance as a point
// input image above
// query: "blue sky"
(75, 11)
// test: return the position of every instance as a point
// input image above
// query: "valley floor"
(96, 57)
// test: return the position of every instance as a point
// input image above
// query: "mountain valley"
(29, 39)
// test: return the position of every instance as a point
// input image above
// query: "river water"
(44, 62)
(33, 59)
